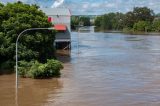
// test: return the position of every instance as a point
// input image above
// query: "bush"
(128, 30)
(7, 65)
(37, 70)
(142, 26)
(156, 25)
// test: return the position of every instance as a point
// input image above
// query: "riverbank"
(131, 32)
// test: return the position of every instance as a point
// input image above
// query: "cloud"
(105, 6)
(5, 1)
(57, 3)
(98, 6)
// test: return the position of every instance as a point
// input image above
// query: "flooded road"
(105, 69)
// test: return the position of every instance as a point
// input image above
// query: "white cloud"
(57, 3)
(85, 6)
(111, 5)
(99, 6)
(95, 5)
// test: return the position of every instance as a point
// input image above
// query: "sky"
(96, 7)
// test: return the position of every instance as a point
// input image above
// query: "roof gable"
(56, 11)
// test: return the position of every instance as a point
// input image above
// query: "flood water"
(104, 69)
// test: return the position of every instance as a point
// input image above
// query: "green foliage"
(110, 21)
(7, 65)
(156, 25)
(106, 23)
(16, 17)
(143, 14)
(141, 26)
(85, 21)
(128, 30)
(140, 19)
(37, 70)
(24, 68)
(79, 20)
(98, 21)
(74, 22)
(129, 19)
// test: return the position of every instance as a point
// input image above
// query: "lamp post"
(30, 29)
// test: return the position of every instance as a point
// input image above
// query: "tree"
(97, 21)
(129, 19)
(141, 26)
(16, 17)
(117, 21)
(139, 18)
(79, 20)
(138, 14)
(143, 14)
(85, 21)
(106, 22)
(156, 25)
(110, 21)
(74, 22)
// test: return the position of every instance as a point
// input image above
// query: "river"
(104, 69)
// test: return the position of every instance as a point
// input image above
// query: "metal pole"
(17, 50)
(78, 41)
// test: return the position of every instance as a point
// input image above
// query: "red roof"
(60, 27)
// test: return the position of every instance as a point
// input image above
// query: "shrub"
(7, 64)
(37, 70)
(128, 30)
(156, 25)
(141, 26)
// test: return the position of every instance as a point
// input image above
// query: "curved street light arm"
(17, 48)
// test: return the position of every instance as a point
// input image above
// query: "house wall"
(60, 16)
(63, 35)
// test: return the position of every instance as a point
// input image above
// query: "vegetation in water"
(37, 70)
(33, 45)
(79, 21)
(16, 17)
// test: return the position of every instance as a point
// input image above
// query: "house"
(61, 19)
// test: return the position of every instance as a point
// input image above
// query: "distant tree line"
(79, 21)
(140, 19)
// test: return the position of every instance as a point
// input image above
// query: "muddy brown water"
(104, 69)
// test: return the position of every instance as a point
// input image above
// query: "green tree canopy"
(129, 19)
(143, 14)
(98, 21)
(156, 25)
(139, 17)
(141, 26)
(74, 22)
(80, 20)
(110, 21)
(85, 21)
(16, 17)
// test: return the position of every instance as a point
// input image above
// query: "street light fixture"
(30, 29)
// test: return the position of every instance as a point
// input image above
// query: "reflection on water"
(104, 69)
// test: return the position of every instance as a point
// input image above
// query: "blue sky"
(97, 7)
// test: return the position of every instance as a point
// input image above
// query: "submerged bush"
(128, 30)
(37, 70)
(9, 64)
